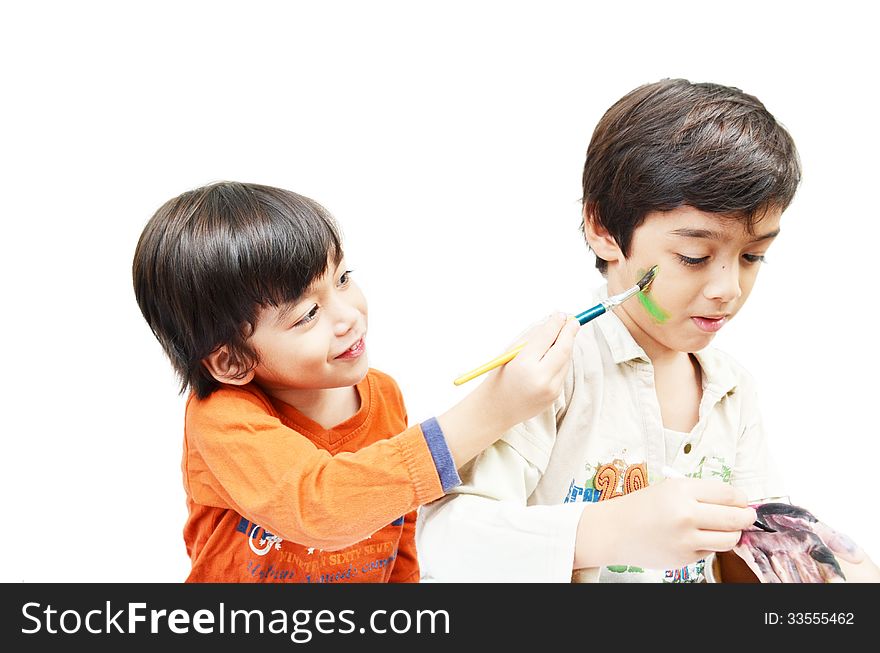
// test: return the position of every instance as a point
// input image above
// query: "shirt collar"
(623, 346)
(717, 374)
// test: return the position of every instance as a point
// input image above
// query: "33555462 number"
(809, 618)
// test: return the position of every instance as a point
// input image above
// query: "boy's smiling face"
(315, 343)
(708, 266)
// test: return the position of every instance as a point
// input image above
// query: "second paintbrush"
(590, 314)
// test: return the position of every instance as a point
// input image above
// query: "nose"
(724, 284)
(345, 316)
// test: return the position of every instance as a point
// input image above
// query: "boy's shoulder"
(385, 387)
(228, 402)
(382, 379)
(232, 404)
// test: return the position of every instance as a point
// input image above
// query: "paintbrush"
(590, 314)
(669, 472)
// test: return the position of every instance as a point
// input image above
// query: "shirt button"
(687, 448)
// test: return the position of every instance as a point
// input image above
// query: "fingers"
(827, 568)
(786, 517)
(863, 572)
(717, 492)
(781, 568)
(559, 352)
(801, 569)
(724, 518)
(794, 556)
(716, 541)
(839, 543)
(765, 568)
(758, 562)
(540, 338)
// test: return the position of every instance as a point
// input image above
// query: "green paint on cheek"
(659, 315)
(645, 299)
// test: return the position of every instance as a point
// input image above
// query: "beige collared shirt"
(515, 515)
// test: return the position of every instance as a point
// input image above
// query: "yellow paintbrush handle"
(491, 365)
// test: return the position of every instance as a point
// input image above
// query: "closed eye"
(755, 258)
(688, 260)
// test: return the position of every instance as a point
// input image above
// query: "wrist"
(487, 406)
(596, 537)
(472, 424)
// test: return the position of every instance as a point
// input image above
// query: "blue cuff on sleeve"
(440, 453)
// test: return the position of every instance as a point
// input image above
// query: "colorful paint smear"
(658, 314)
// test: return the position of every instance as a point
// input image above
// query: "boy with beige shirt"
(693, 178)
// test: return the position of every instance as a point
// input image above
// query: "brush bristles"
(646, 280)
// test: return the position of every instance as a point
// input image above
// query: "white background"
(449, 142)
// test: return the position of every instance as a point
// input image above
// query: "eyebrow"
(714, 235)
(284, 312)
(286, 309)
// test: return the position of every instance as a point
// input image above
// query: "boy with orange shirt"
(298, 464)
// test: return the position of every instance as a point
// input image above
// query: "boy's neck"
(326, 406)
(677, 378)
(656, 353)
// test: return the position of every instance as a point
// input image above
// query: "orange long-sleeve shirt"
(275, 497)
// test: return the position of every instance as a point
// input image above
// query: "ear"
(600, 241)
(226, 368)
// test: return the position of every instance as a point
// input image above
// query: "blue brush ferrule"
(591, 314)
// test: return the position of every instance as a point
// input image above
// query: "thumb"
(839, 543)
(541, 337)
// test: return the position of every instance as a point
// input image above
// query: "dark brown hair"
(209, 258)
(675, 143)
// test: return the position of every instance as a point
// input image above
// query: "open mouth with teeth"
(354, 351)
